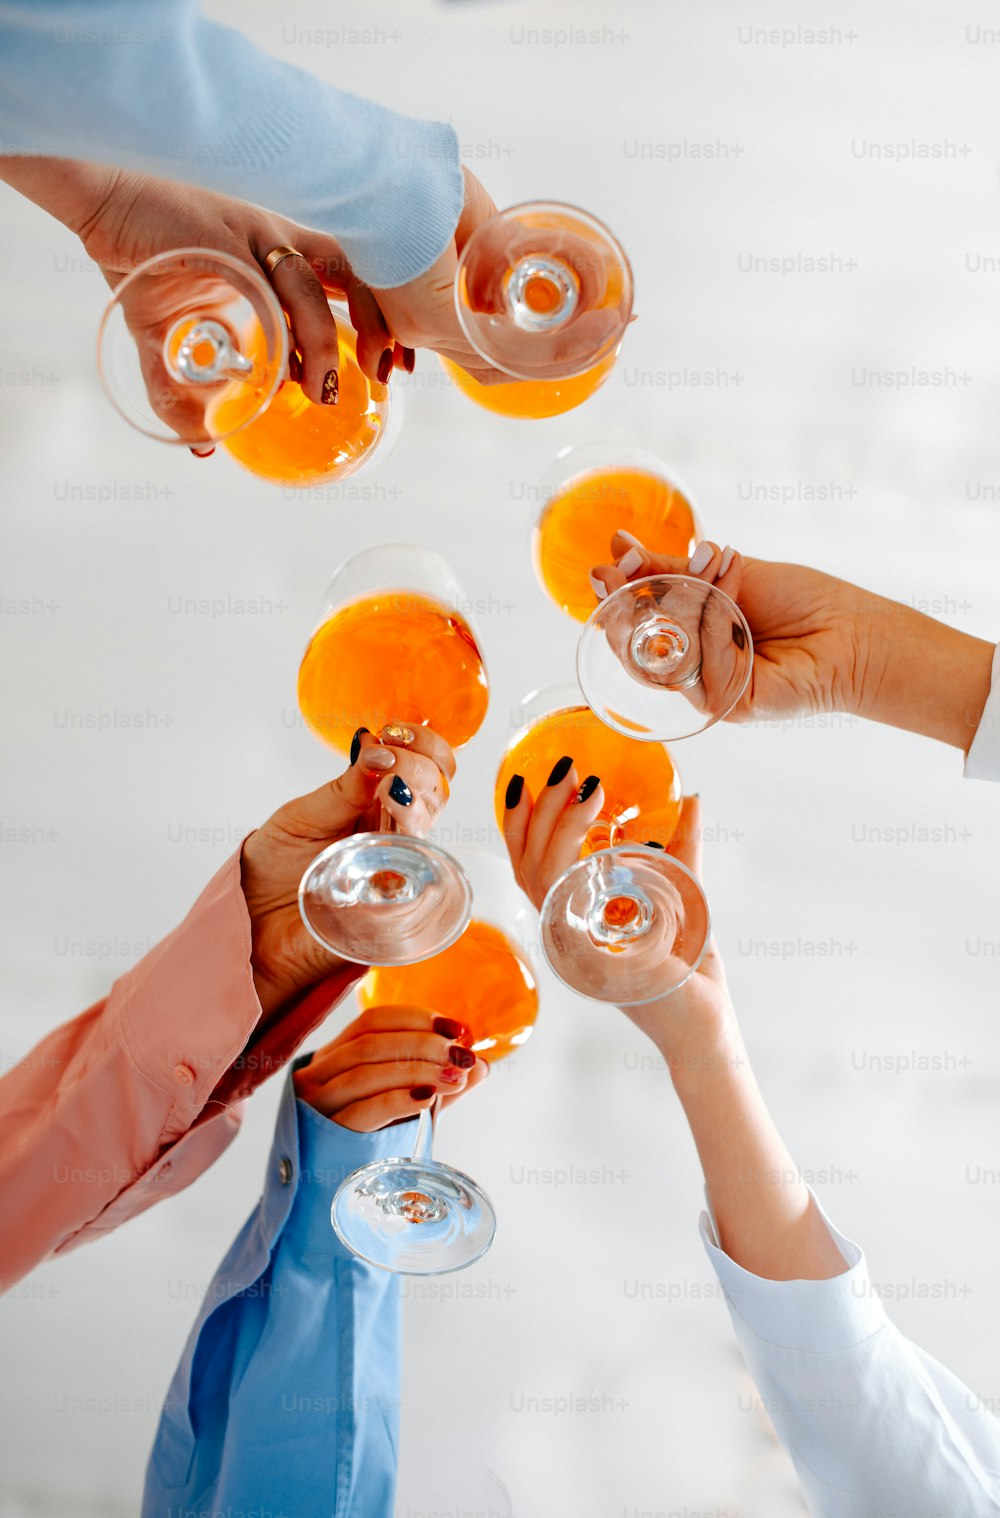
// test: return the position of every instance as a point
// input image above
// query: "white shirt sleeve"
(875, 1427)
(982, 762)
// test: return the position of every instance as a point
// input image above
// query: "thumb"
(335, 808)
(686, 842)
(639, 562)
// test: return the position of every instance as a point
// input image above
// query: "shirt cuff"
(982, 762)
(815, 1316)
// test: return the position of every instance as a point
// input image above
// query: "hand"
(388, 1065)
(813, 635)
(422, 314)
(286, 958)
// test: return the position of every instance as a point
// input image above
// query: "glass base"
(664, 658)
(385, 899)
(627, 925)
(413, 1217)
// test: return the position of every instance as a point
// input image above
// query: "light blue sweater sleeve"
(286, 1398)
(874, 1425)
(152, 85)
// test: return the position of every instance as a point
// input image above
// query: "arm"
(155, 86)
(286, 1398)
(132, 1100)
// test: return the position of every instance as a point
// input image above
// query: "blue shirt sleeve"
(152, 85)
(286, 1398)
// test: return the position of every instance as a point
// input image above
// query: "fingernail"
(451, 1075)
(294, 367)
(485, 1064)
(739, 636)
(728, 555)
(630, 537)
(462, 1057)
(588, 787)
(400, 791)
(651, 843)
(701, 557)
(560, 770)
(203, 453)
(385, 367)
(630, 562)
(379, 759)
(398, 735)
(409, 359)
(421, 1093)
(356, 744)
(331, 388)
(515, 785)
(447, 1027)
(598, 587)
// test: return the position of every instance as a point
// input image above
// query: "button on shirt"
(286, 1398)
(875, 1427)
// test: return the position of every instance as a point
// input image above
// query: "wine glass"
(642, 788)
(625, 925)
(417, 1216)
(193, 350)
(543, 293)
(590, 491)
(392, 650)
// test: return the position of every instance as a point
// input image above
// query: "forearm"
(765, 1214)
(919, 674)
(71, 191)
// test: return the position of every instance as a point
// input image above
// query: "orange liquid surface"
(393, 657)
(642, 788)
(574, 531)
(531, 398)
(298, 443)
(481, 981)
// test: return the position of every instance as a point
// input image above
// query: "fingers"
(544, 837)
(374, 337)
(686, 843)
(420, 740)
(314, 330)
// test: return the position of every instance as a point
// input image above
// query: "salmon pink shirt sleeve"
(129, 1102)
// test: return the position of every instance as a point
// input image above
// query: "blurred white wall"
(702, 149)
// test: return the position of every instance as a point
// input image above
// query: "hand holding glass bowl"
(194, 349)
(392, 653)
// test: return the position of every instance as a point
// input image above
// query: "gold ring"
(276, 255)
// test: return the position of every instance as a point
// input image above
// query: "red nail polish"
(449, 1028)
(385, 367)
(462, 1057)
(331, 388)
(203, 453)
(452, 1076)
(409, 360)
(421, 1093)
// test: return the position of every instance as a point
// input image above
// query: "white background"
(896, 489)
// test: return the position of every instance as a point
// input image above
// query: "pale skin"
(766, 1217)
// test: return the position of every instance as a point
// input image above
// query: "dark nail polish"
(447, 1027)
(294, 367)
(739, 636)
(356, 744)
(400, 791)
(331, 388)
(651, 843)
(462, 1057)
(385, 367)
(560, 770)
(515, 785)
(203, 453)
(409, 359)
(421, 1093)
(588, 787)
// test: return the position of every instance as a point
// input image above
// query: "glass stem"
(424, 1141)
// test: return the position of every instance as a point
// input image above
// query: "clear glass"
(418, 1216)
(664, 657)
(544, 293)
(642, 785)
(590, 492)
(627, 925)
(185, 330)
(193, 349)
(392, 647)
